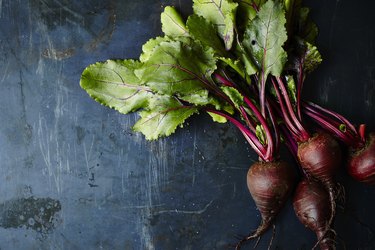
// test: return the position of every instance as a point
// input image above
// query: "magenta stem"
(249, 122)
(325, 118)
(285, 114)
(334, 114)
(250, 137)
(260, 117)
(303, 133)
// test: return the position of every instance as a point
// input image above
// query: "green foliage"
(222, 13)
(172, 23)
(163, 116)
(264, 38)
(176, 69)
(173, 78)
(114, 84)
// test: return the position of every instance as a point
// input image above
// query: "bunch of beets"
(245, 62)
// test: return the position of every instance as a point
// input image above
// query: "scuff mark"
(107, 32)
(178, 211)
(55, 153)
(325, 88)
(39, 214)
(55, 54)
(145, 234)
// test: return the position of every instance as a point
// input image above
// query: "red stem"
(274, 125)
(285, 114)
(249, 123)
(362, 132)
(250, 137)
(334, 114)
(325, 118)
(337, 132)
(260, 117)
(302, 132)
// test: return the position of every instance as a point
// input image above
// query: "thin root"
(273, 236)
(255, 235)
(324, 237)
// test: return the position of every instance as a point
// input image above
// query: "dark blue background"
(73, 175)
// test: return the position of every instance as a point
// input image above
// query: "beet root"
(270, 184)
(320, 156)
(311, 203)
(361, 163)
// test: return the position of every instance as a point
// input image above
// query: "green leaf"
(204, 31)
(217, 118)
(246, 11)
(292, 12)
(305, 57)
(222, 13)
(164, 115)
(291, 88)
(264, 38)
(177, 69)
(312, 58)
(114, 84)
(235, 96)
(235, 64)
(260, 133)
(307, 30)
(251, 67)
(149, 47)
(172, 23)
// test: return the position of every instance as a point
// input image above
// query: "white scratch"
(177, 211)
(88, 154)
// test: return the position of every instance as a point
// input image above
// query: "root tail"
(256, 234)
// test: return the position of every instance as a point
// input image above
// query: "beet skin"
(361, 163)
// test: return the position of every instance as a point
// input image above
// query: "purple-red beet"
(311, 203)
(270, 184)
(320, 157)
(361, 163)
(361, 160)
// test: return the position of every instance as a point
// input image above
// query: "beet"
(361, 163)
(320, 156)
(270, 184)
(311, 203)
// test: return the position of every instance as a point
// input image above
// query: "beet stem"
(261, 119)
(303, 133)
(345, 137)
(284, 113)
(362, 132)
(249, 123)
(334, 114)
(250, 137)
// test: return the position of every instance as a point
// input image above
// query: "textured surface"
(74, 176)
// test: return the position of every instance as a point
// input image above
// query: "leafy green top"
(175, 76)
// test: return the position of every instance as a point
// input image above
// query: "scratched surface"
(73, 175)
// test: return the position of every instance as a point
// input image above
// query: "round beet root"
(311, 204)
(361, 163)
(320, 156)
(269, 184)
